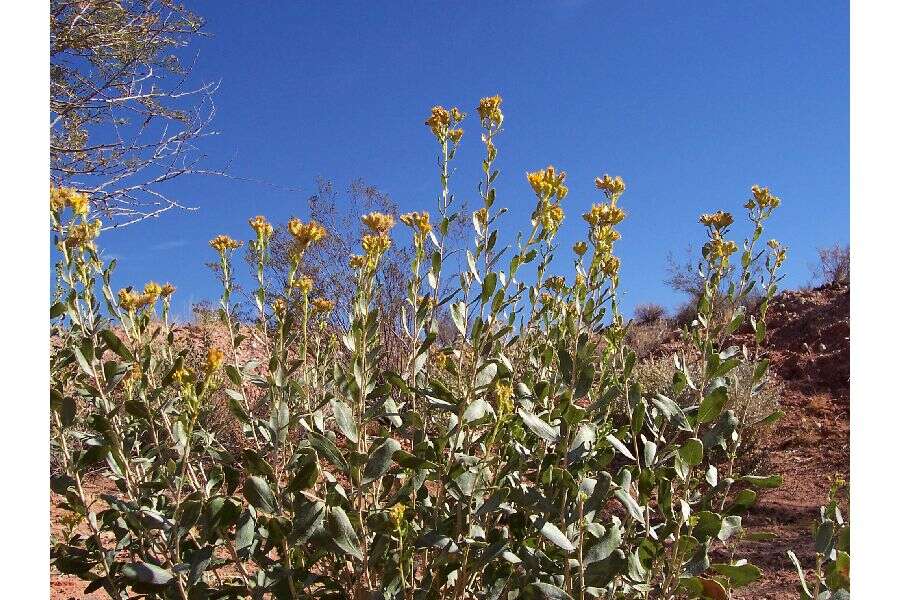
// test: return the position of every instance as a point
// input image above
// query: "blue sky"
(691, 103)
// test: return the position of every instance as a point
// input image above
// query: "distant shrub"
(649, 313)
(754, 399)
(834, 264)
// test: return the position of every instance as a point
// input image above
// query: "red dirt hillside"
(809, 334)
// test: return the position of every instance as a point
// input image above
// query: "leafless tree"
(126, 112)
(833, 266)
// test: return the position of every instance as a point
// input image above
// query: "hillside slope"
(809, 332)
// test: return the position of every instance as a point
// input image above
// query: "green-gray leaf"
(379, 460)
(343, 534)
(539, 427)
(343, 418)
(259, 494)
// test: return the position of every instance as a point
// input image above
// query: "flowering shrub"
(520, 459)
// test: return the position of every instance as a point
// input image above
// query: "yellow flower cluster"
(439, 360)
(717, 220)
(779, 252)
(602, 215)
(261, 226)
(357, 261)
(481, 216)
(612, 187)
(153, 289)
(762, 198)
(602, 218)
(167, 290)
(131, 300)
(82, 235)
(215, 358)
(610, 266)
(61, 197)
(322, 305)
(547, 183)
(375, 245)
(719, 248)
(279, 306)
(420, 222)
(556, 283)
(489, 111)
(551, 217)
(503, 391)
(444, 124)
(222, 243)
(379, 223)
(304, 283)
(306, 234)
(396, 514)
(183, 377)
(579, 248)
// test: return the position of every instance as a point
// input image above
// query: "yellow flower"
(131, 300)
(261, 226)
(455, 135)
(79, 202)
(304, 283)
(579, 248)
(439, 360)
(481, 216)
(780, 252)
(602, 215)
(167, 290)
(61, 197)
(222, 243)
(780, 256)
(127, 299)
(610, 266)
(438, 122)
(379, 223)
(551, 217)
(556, 283)
(489, 111)
(719, 248)
(357, 261)
(215, 358)
(420, 222)
(183, 377)
(612, 187)
(717, 220)
(375, 245)
(82, 235)
(57, 199)
(322, 305)
(306, 234)
(503, 391)
(396, 514)
(547, 183)
(579, 280)
(763, 198)
(279, 306)
(152, 288)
